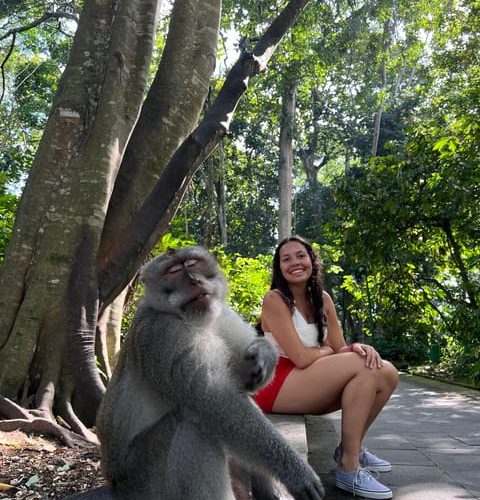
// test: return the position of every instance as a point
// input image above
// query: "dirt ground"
(38, 467)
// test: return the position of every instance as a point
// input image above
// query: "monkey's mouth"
(198, 301)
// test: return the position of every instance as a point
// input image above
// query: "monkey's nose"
(193, 279)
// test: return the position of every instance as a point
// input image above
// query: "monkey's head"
(185, 282)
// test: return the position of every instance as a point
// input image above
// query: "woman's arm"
(277, 319)
(336, 339)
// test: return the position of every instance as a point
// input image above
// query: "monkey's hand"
(306, 485)
(259, 362)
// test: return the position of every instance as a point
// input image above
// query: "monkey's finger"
(316, 491)
(250, 356)
(255, 379)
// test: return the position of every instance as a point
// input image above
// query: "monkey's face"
(186, 282)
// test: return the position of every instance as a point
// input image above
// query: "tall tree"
(285, 161)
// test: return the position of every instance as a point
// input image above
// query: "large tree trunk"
(99, 196)
(285, 169)
(49, 272)
(48, 327)
(170, 112)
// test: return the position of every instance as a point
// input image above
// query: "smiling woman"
(317, 372)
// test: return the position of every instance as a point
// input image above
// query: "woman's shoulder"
(275, 296)
(326, 296)
(274, 307)
(327, 302)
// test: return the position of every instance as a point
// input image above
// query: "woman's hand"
(372, 358)
(325, 350)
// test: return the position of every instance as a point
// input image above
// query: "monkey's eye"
(175, 268)
(190, 262)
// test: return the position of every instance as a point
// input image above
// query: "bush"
(403, 350)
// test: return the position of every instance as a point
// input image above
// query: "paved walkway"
(429, 430)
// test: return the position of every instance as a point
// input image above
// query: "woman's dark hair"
(314, 285)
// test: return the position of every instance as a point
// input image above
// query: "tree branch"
(136, 242)
(457, 257)
(46, 17)
(2, 66)
(14, 31)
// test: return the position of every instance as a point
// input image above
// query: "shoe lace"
(362, 475)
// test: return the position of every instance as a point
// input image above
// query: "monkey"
(178, 404)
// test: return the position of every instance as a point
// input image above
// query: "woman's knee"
(389, 375)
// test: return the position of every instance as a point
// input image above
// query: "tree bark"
(49, 270)
(208, 226)
(170, 112)
(285, 170)
(383, 76)
(220, 197)
(107, 338)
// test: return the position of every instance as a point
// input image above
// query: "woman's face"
(295, 262)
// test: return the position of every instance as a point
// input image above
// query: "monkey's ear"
(146, 270)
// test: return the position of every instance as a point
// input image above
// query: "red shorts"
(266, 396)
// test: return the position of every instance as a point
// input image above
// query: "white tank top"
(308, 332)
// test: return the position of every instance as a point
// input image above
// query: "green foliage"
(30, 76)
(412, 219)
(249, 280)
(403, 350)
(8, 205)
(459, 362)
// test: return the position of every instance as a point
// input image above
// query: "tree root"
(17, 418)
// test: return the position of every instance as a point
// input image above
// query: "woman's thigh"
(318, 388)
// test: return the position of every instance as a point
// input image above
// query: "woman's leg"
(387, 382)
(339, 381)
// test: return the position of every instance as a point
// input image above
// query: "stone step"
(292, 428)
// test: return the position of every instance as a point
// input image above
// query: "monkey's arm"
(249, 436)
(254, 358)
(237, 333)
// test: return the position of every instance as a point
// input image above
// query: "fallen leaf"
(33, 479)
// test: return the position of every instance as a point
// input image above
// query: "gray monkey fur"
(177, 405)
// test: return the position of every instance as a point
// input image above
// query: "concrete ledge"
(292, 428)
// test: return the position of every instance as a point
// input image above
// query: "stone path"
(429, 430)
